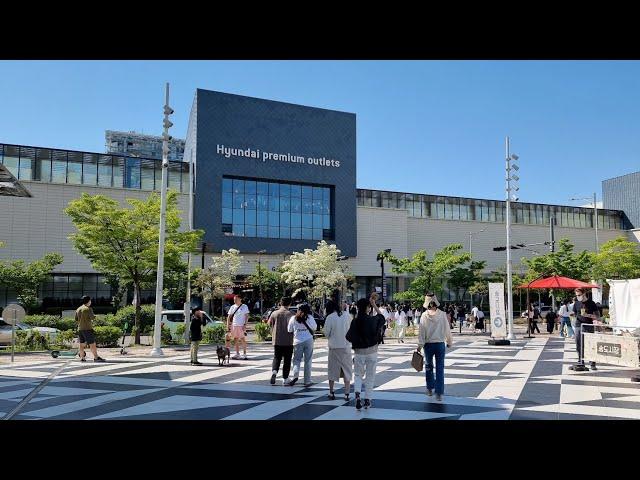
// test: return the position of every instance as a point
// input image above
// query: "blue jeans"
(437, 349)
(566, 321)
(303, 349)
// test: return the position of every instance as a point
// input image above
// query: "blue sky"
(422, 126)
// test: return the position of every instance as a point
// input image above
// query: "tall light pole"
(595, 214)
(509, 167)
(157, 350)
(187, 302)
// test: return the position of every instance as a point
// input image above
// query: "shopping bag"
(417, 361)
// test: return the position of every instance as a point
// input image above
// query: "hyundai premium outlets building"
(270, 177)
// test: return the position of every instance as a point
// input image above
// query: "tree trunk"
(136, 302)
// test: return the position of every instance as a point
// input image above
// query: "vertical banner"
(496, 309)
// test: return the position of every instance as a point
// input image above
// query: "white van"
(173, 318)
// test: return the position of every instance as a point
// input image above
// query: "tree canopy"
(25, 278)
(617, 259)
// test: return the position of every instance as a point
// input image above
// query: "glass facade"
(456, 208)
(267, 209)
(83, 168)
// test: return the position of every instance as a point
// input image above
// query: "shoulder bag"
(417, 361)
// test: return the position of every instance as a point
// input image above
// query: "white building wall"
(31, 227)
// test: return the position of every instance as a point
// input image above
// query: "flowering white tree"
(212, 281)
(316, 272)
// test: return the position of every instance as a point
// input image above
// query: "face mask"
(581, 298)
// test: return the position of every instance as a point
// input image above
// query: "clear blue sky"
(426, 127)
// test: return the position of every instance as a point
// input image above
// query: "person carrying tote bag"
(433, 334)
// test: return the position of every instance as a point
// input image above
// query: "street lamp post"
(595, 214)
(187, 303)
(157, 350)
(509, 177)
(380, 257)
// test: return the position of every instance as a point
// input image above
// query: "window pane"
(227, 200)
(89, 169)
(262, 218)
(285, 190)
(250, 217)
(238, 187)
(296, 205)
(59, 168)
(285, 204)
(147, 175)
(296, 191)
(262, 202)
(317, 221)
(175, 179)
(227, 215)
(27, 160)
(74, 168)
(296, 233)
(227, 185)
(285, 219)
(250, 202)
(238, 200)
(326, 221)
(249, 230)
(274, 204)
(104, 171)
(43, 165)
(118, 171)
(317, 206)
(274, 232)
(284, 232)
(238, 216)
(307, 220)
(132, 173)
(296, 220)
(274, 189)
(238, 230)
(262, 188)
(307, 192)
(307, 234)
(262, 231)
(11, 159)
(250, 187)
(317, 234)
(274, 219)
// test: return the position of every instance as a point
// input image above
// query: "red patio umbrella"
(559, 282)
(555, 281)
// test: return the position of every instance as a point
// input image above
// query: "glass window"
(500, 208)
(274, 219)
(307, 234)
(27, 160)
(238, 216)
(118, 171)
(250, 202)
(317, 221)
(464, 209)
(11, 159)
(492, 211)
(59, 168)
(408, 199)
(104, 171)
(227, 185)
(375, 199)
(249, 230)
(401, 201)
(274, 204)
(285, 232)
(262, 231)
(426, 206)
(317, 193)
(250, 187)
(250, 216)
(285, 204)
(307, 221)
(89, 169)
(296, 191)
(238, 187)
(185, 177)
(296, 233)
(296, 205)
(238, 230)
(227, 215)
(262, 202)
(285, 219)
(274, 190)
(132, 173)
(296, 220)
(477, 207)
(261, 187)
(440, 207)
(307, 205)
(285, 190)
(175, 176)
(274, 232)
(43, 165)
(74, 168)
(147, 175)
(317, 234)
(262, 217)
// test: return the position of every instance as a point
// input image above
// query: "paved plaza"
(528, 380)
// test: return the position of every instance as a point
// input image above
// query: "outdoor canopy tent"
(554, 281)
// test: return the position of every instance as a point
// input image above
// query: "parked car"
(5, 331)
(172, 318)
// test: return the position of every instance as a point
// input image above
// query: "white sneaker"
(285, 381)
(244, 357)
(235, 357)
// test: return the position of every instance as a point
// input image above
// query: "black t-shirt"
(590, 308)
(196, 328)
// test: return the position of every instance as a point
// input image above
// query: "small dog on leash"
(223, 353)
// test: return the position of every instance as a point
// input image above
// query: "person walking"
(365, 334)
(460, 313)
(86, 335)
(302, 325)
(401, 323)
(238, 317)
(532, 315)
(281, 339)
(409, 313)
(434, 332)
(565, 319)
(336, 327)
(195, 329)
(551, 321)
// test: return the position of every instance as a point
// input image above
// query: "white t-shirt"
(240, 315)
(564, 311)
(401, 318)
(474, 311)
(300, 332)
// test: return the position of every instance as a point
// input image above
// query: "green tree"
(463, 278)
(270, 281)
(124, 241)
(617, 259)
(26, 278)
(211, 282)
(429, 273)
(563, 262)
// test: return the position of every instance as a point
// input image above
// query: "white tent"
(624, 302)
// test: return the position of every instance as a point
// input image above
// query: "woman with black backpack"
(365, 333)
(302, 325)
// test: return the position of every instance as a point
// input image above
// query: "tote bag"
(417, 361)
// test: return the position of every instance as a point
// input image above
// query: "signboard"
(618, 350)
(496, 309)
(13, 314)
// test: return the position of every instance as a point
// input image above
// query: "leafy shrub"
(31, 340)
(107, 336)
(128, 314)
(165, 335)
(65, 338)
(51, 321)
(263, 331)
(214, 334)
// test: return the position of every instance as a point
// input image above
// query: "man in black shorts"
(84, 317)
